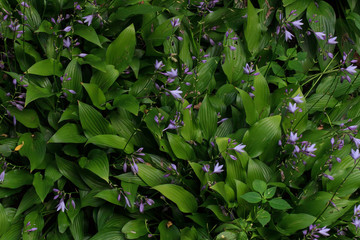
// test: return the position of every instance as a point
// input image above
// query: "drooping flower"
(355, 154)
(320, 35)
(356, 222)
(2, 176)
(173, 73)
(88, 19)
(328, 176)
(297, 23)
(67, 29)
(293, 137)
(67, 42)
(351, 69)
(357, 210)
(292, 107)
(298, 98)
(356, 141)
(239, 148)
(248, 69)
(288, 35)
(175, 22)
(218, 168)
(332, 40)
(206, 168)
(61, 206)
(324, 231)
(176, 93)
(158, 65)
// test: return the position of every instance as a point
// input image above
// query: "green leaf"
(249, 105)
(45, 27)
(135, 228)
(42, 186)
(162, 32)
(280, 204)
(69, 133)
(291, 223)
(234, 59)
(14, 232)
(4, 221)
(92, 121)
(123, 13)
(29, 199)
(168, 233)
(88, 33)
(218, 213)
(98, 163)
(270, 192)
(63, 222)
(36, 220)
(104, 80)
(263, 217)
(121, 51)
(128, 102)
(259, 186)
(96, 95)
(47, 67)
(181, 148)
(189, 233)
(151, 176)
(77, 227)
(253, 29)
(207, 119)
(16, 178)
(251, 197)
(206, 73)
(108, 234)
(110, 195)
(73, 71)
(34, 148)
(112, 141)
(263, 136)
(184, 200)
(225, 191)
(28, 117)
(71, 171)
(262, 96)
(258, 170)
(34, 92)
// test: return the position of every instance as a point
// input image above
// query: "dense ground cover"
(179, 119)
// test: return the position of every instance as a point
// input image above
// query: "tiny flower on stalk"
(332, 41)
(176, 93)
(355, 154)
(218, 168)
(158, 65)
(292, 107)
(298, 98)
(298, 23)
(175, 22)
(88, 19)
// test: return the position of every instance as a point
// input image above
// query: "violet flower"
(292, 108)
(239, 148)
(320, 35)
(61, 206)
(175, 22)
(88, 19)
(67, 42)
(355, 154)
(218, 168)
(2, 176)
(176, 93)
(351, 69)
(158, 65)
(288, 35)
(297, 23)
(332, 40)
(298, 98)
(67, 29)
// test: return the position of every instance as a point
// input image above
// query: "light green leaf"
(184, 200)
(69, 133)
(36, 220)
(73, 70)
(181, 148)
(251, 197)
(263, 217)
(135, 228)
(129, 102)
(252, 29)
(104, 80)
(98, 163)
(262, 96)
(207, 119)
(47, 67)
(16, 178)
(259, 186)
(151, 176)
(34, 92)
(34, 148)
(291, 223)
(112, 141)
(28, 117)
(96, 95)
(63, 222)
(249, 105)
(121, 51)
(88, 33)
(280, 204)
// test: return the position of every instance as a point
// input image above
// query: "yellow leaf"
(19, 146)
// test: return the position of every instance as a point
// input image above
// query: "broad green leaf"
(72, 212)
(249, 105)
(299, 6)
(263, 217)
(88, 33)
(121, 51)
(185, 201)
(180, 147)
(34, 92)
(92, 121)
(225, 191)
(16, 178)
(151, 176)
(73, 71)
(319, 102)
(96, 95)
(131, 178)
(206, 73)
(69, 133)
(108, 234)
(34, 148)
(280, 204)
(14, 232)
(105, 79)
(207, 119)
(227, 235)
(95, 61)
(168, 233)
(253, 29)
(70, 170)
(251, 197)
(42, 185)
(112, 141)
(98, 163)
(123, 13)
(263, 136)
(129, 102)
(189, 233)
(4, 221)
(29, 199)
(218, 213)
(47, 67)
(258, 170)
(259, 186)
(45, 27)
(234, 59)
(77, 227)
(162, 32)
(270, 192)
(63, 222)
(135, 228)
(28, 117)
(291, 223)
(262, 96)
(110, 195)
(36, 220)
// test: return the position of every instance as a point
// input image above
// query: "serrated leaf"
(185, 201)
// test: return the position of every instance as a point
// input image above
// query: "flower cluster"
(315, 232)
(134, 158)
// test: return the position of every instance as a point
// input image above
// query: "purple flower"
(175, 22)
(297, 24)
(351, 69)
(288, 35)
(356, 141)
(328, 176)
(311, 148)
(141, 207)
(233, 157)
(24, 4)
(67, 29)
(239, 148)
(218, 168)
(232, 48)
(356, 222)
(149, 201)
(31, 229)
(158, 64)
(82, 55)
(320, 35)
(173, 73)
(297, 99)
(67, 42)
(332, 40)
(357, 210)
(2, 176)
(324, 231)
(88, 19)
(176, 93)
(293, 137)
(292, 108)
(206, 168)
(61, 206)
(355, 154)
(248, 69)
